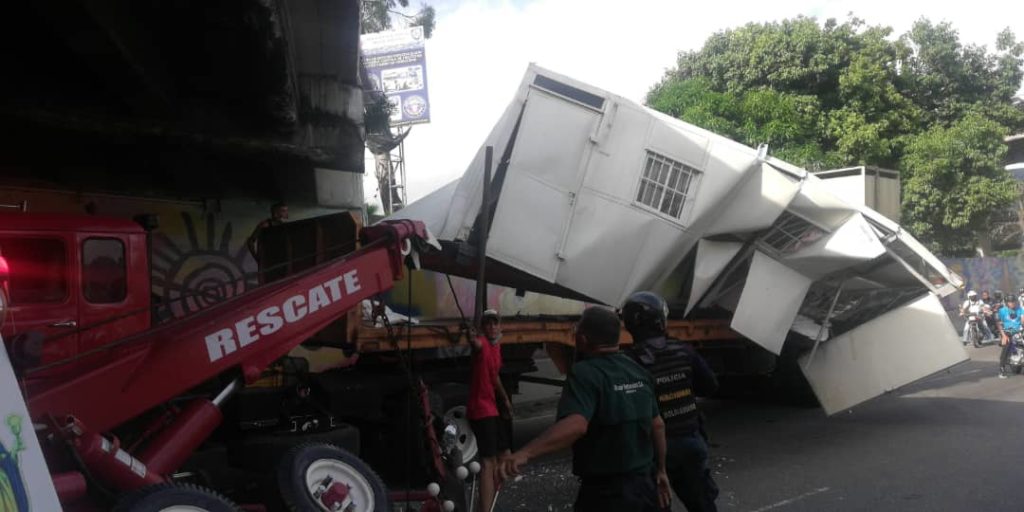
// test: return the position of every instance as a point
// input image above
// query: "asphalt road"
(950, 442)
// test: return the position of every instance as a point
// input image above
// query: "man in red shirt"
(489, 408)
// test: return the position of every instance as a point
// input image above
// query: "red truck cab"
(79, 281)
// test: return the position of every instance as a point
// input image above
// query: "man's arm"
(660, 444)
(1003, 339)
(474, 340)
(704, 381)
(499, 392)
(253, 240)
(660, 452)
(557, 437)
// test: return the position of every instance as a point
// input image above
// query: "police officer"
(679, 375)
(608, 414)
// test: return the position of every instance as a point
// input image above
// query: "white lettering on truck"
(273, 318)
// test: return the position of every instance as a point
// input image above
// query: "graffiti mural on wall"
(432, 297)
(205, 266)
(980, 274)
(199, 256)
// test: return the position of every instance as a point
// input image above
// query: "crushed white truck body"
(595, 197)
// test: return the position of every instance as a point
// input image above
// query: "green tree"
(953, 182)
(836, 94)
(378, 16)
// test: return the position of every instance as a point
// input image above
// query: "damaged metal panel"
(765, 193)
(712, 258)
(883, 354)
(769, 303)
(854, 242)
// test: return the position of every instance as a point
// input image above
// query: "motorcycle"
(974, 333)
(1016, 355)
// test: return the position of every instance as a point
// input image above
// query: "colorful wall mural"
(1005, 274)
(197, 262)
(432, 298)
(199, 255)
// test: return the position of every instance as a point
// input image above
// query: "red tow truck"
(133, 414)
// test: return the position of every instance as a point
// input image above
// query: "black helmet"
(645, 312)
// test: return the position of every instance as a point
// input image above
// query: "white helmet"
(972, 293)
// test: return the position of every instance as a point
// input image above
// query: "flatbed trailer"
(445, 333)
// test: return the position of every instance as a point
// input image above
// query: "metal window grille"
(791, 233)
(666, 185)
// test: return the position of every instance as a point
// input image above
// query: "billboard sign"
(397, 66)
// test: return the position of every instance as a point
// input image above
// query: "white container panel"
(604, 234)
(893, 350)
(617, 162)
(528, 225)
(560, 165)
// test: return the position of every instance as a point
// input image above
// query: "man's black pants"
(1004, 356)
(619, 493)
(689, 473)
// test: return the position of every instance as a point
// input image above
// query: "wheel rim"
(360, 492)
(465, 440)
(183, 508)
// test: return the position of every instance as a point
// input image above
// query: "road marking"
(792, 500)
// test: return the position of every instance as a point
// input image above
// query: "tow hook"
(334, 496)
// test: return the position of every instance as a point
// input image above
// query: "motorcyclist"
(991, 311)
(974, 306)
(1009, 324)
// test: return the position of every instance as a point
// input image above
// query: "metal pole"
(494, 503)
(485, 229)
(824, 325)
(404, 193)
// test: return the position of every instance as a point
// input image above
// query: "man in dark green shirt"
(609, 415)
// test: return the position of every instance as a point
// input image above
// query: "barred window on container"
(666, 185)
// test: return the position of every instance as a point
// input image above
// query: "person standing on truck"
(489, 409)
(609, 415)
(680, 375)
(278, 214)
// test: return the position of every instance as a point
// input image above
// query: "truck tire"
(305, 467)
(452, 398)
(172, 497)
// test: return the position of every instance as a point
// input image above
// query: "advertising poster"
(397, 66)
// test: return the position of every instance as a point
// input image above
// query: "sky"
(480, 50)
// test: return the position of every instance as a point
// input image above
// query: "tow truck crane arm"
(241, 337)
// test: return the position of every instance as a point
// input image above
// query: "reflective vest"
(672, 371)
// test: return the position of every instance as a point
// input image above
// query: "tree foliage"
(379, 15)
(957, 181)
(839, 94)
